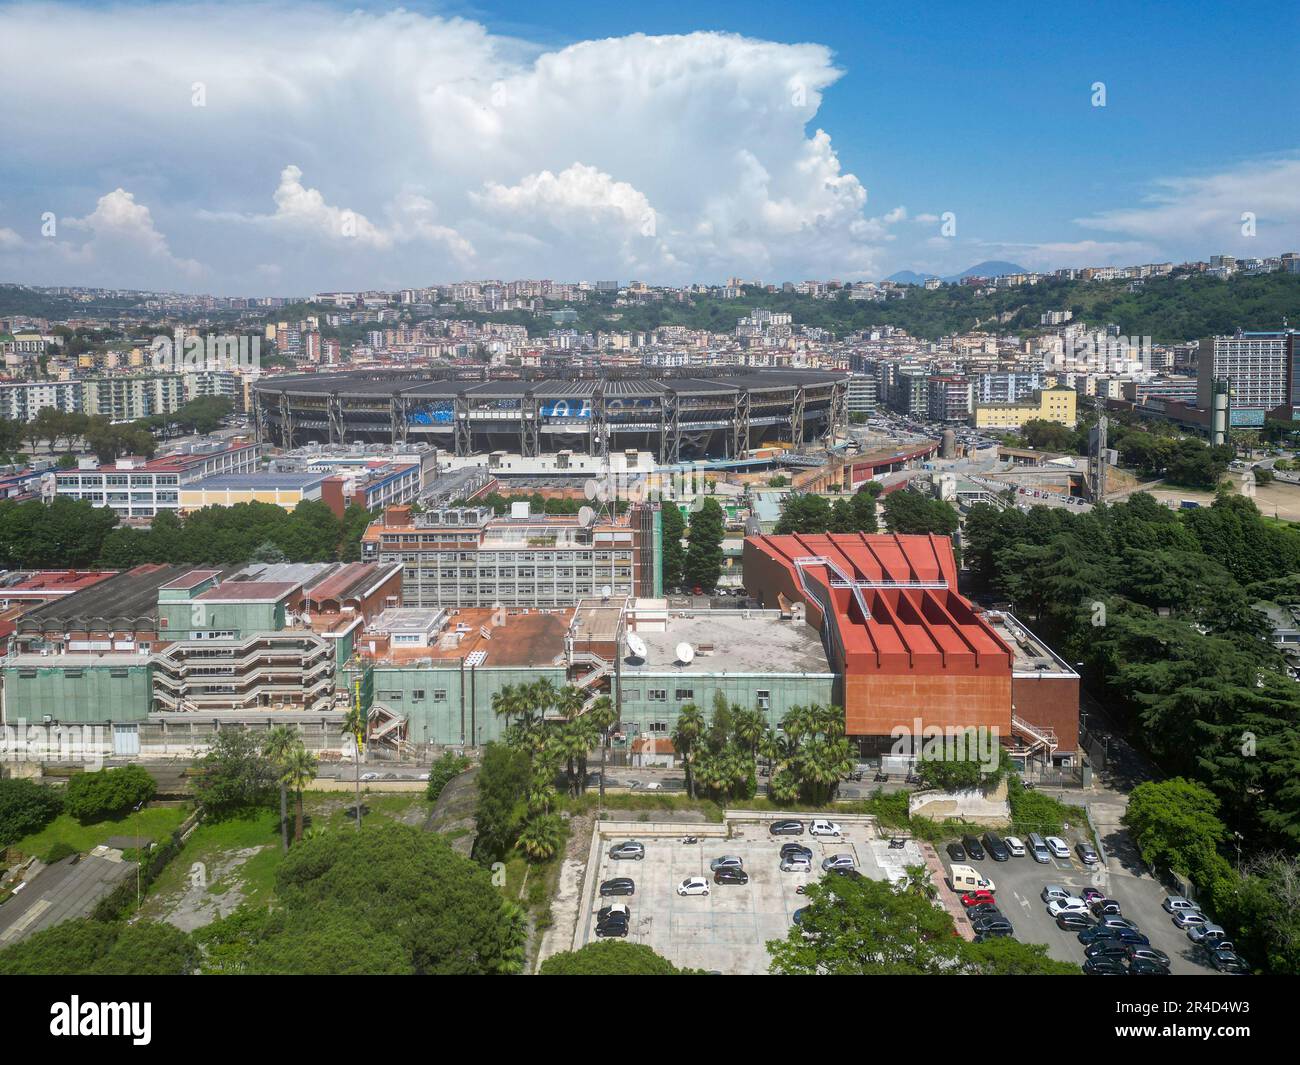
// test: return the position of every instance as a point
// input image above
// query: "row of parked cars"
(1003, 848)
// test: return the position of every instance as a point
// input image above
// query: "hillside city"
(538, 577)
(677, 490)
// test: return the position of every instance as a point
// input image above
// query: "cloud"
(1207, 210)
(438, 145)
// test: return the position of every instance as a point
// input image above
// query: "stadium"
(677, 418)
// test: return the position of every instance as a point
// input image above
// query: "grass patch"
(645, 803)
(65, 831)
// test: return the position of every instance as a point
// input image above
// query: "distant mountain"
(990, 268)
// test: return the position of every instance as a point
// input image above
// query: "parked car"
(792, 850)
(993, 926)
(1149, 954)
(1114, 920)
(1147, 967)
(1003, 931)
(1015, 845)
(1104, 967)
(727, 860)
(796, 863)
(839, 861)
(693, 885)
(845, 871)
(1073, 921)
(974, 850)
(1106, 948)
(1091, 895)
(1130, 936)
(956, 852)
(1072, 905)
(1105, 907)
(786, 828)
(613, 910)
(1087, 853)
(976, 898)
(1176, 903)
(615, 928)
(1038, 849)
(620, 885)
(628, 851)
(1206, 932)
(822, 827)
(1058, 847)
(983, 909)
(1189, 919)
(997, 849)
(730, 874)
(1228, 961)
(1054, 891)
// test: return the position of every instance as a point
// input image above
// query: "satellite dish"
(585, 516)
(685, 653)
(636, 645)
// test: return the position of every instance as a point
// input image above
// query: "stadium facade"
(676, 418)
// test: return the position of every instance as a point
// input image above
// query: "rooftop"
(255, 482)
(731, 641)
(523, 638)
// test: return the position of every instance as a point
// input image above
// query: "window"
(632, 694)
(764, 699)
(418, 695)
(658, 695)
(658, 726)
(685, 695)
(439, 695)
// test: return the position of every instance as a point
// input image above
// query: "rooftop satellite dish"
(585, 516)
(685, 654)
(636, 645)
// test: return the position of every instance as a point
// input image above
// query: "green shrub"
(26, 807)
(443, 771)
(94, 796)
(58, 852)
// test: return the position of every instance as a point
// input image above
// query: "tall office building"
(1260, 370)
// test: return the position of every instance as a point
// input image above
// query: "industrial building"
(675, 418)
(911, 651)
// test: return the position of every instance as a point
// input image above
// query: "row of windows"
(762, 696)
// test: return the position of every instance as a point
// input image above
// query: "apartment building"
(140, 488)
(948, 398)
(1260, 370)
(21, 401)
(467, 557)
(1047, 404)
(128, 397)
(862, 395)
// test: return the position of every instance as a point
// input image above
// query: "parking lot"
(1019, 883)
(727, 930)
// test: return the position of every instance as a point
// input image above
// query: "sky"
(281, 149)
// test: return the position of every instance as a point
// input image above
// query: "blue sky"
(563, 140)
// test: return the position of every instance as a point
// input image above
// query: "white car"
(1071, 905)
(1057, 846)
(1176, 903)
(369, 776)
(1207, 932)
(1015, 845)
(826, 828)
(693, 885)
(796, 864)
(1189, 919)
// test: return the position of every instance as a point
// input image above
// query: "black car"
(1229, 961)
(998, 850)
(1073, 922)
(786, 828)
(1106, 948)
(993, 926)
(998, 932)
(795, 850)
(1104, 967)
(1146, 967)
(1125, 935)
(974, 851)
(616, 912)
(620, 885)
(1149, 954)
(728, 874)
(956, 853)
(1106, 908)
(982, 910)
(614, 927)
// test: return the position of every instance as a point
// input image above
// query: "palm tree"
(686, 737)
(509, 702)
(299, 771)
(603, 715)
(279, 741)
(354, 724)
(541, 837)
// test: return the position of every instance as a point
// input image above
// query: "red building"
(911, 650)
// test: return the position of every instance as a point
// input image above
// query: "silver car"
(839, 861)
(630, 850)
(727, 861)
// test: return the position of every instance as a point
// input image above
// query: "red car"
(976, 898)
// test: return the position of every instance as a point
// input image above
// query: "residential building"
(1058, 405)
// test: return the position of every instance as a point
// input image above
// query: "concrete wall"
(120, 691)
(786, 691)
